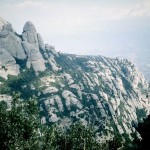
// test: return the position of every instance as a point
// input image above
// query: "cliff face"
(110, 94)
(23, 47)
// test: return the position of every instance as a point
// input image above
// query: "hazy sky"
(107, 27)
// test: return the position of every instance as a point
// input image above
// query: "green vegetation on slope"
(21, 129)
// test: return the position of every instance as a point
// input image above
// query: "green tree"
(19, 127)
(115, 143)
(79, 137)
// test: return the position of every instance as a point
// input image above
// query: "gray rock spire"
(31, 47)
(29, 27)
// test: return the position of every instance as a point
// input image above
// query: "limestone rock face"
(29, 34)
(7, 64)
(25, 47)
(11, 42)
(31, 46)
(40, 41)
(50, 50)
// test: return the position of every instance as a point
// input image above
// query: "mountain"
(108, 93)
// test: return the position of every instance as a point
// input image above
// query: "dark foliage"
(144, 130)
(20, 129)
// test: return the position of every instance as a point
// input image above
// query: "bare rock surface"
(31, 46)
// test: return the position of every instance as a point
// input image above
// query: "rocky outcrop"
(7, 64)
(11, 42)
(10, 48)
(25, 48)
(40, 41)
(50, 50)
(31, 46)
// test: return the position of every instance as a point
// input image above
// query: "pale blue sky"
(107, 27)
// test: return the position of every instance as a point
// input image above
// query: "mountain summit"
(109, 94)
(24, 48)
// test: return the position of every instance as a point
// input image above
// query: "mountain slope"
(109, 94)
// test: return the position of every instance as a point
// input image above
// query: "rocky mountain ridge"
(24, 47)
(109, 94)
